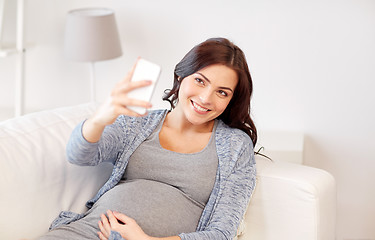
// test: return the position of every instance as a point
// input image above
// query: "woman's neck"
(178, 122)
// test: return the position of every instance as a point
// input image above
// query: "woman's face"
(204, 95)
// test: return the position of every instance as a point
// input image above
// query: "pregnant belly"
(160, 209)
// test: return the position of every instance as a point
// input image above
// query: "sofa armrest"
(291, 202)
(36, 180)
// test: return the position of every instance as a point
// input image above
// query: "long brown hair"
(220, 51)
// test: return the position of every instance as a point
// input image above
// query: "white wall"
(312, 62)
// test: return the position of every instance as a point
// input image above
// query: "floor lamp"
(91, 35)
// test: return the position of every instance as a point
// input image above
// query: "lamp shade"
(91, 35)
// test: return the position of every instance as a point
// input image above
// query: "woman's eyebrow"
(208, 80)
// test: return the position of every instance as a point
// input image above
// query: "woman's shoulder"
(233, 135)
(234, 147)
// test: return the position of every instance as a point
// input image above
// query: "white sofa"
(291, 202)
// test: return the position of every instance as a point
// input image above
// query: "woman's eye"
(223, 93)
(198, 80)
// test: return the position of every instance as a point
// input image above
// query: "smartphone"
(144, 70)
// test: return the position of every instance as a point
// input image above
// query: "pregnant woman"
(184, 173)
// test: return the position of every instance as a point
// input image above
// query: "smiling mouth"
(199, 108)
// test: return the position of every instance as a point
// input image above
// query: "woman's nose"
(205, 97)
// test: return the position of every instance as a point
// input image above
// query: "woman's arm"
(115, 105)
(86, 146)
(82, 152)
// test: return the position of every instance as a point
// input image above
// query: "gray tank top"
(164, 191)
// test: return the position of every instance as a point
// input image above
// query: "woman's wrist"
(92, 130)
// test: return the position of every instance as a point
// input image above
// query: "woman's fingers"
(111, 218)
(104, 226)
(101, 236)
(126, 101)
(122, 217)
(100, 224)
(115, 106)
(115, 217)
(125, 87)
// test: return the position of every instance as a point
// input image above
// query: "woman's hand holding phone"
(116, 104)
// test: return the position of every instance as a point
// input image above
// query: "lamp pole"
(93, 82)
(19, 94)
(2, 7)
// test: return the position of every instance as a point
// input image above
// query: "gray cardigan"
(235, 177)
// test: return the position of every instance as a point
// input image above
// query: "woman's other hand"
(126, 226)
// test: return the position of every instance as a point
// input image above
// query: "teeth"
(199, 107)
